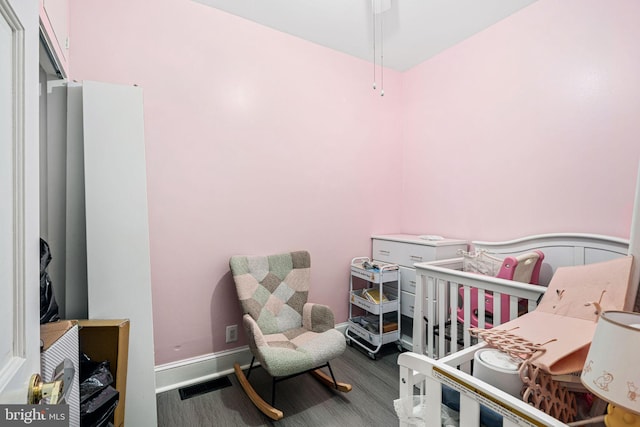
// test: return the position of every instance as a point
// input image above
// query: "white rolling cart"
(374, 316)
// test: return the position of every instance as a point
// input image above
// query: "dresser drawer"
(408, 279)
(407, 304)
(401, 253)
(406, 253)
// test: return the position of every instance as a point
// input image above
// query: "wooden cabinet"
(406, 250)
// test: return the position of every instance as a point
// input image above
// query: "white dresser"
(405, 250)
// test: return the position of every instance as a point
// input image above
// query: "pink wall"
(256, 142)
(260, 142)
(531, 126)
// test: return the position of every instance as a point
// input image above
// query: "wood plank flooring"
(304, 401)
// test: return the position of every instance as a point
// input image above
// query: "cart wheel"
(372, 356)
(349, 343)
(400, 348)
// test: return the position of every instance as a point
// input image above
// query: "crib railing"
(427, 375)
(436, 329)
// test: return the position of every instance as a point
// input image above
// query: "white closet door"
(118, 268)
(75, 257)
(19, 211)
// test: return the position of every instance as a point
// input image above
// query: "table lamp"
(612, 367)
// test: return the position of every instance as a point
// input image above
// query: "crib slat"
(469, 411)
(431, 316)
(466, 337)
(481, 309)
(453, 295)
(442, 312)
(421, 329)
(513, 307)
(433, 399)
(467, 315)
(405, 386)
(497, 308)
(406, 381)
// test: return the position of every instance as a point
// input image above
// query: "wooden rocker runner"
(287, 335)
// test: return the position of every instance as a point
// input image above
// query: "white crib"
(437, 296)
(429, 375)
(437, 285)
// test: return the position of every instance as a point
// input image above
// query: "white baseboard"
(203, 368)
(198, 369)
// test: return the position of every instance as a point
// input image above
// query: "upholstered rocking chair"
(287, 335)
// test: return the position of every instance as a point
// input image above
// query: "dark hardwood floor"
(304, 401)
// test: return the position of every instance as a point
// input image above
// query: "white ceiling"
(414, 30)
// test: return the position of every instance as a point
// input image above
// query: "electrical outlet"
(232, 333)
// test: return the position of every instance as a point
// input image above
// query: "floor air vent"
(202, 388)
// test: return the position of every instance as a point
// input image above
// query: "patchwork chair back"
(523, 268)
(286, 334)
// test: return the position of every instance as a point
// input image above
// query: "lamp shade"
(612, 367)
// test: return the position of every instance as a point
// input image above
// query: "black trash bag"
(48, 305)
(98, 411)
(87, 366)
(98, 380)
(98, 399)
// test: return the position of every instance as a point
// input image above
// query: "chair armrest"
(256, 338)
(317, 317)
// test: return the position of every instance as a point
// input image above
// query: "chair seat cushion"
(298, 350)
